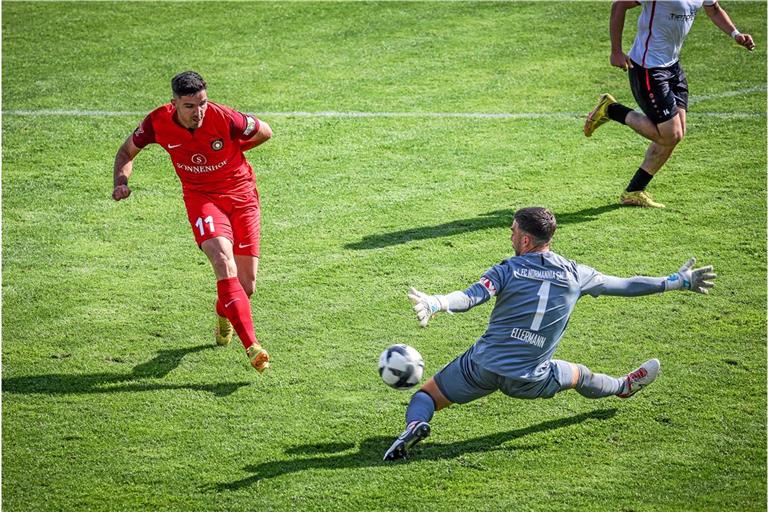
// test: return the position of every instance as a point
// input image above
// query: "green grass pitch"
(113, 395)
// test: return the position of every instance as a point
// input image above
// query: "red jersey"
(208, 159)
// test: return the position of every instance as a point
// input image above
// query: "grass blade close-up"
(406, 135)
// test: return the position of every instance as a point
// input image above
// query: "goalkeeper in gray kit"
(536, 291)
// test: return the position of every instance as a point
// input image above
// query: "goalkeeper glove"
(697, 280)
(426, 306)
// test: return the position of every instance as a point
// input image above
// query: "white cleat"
(641, 377)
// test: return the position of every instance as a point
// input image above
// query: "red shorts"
(235, 217)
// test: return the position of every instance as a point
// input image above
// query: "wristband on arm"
(676, 282)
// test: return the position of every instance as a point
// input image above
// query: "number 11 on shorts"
(200, 224)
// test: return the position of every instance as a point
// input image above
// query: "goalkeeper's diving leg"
(420, 410)
(599, 385)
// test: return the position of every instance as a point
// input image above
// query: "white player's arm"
(618, 14)
(687, 278)
(720, 18)
(124, 168)
(427, 306)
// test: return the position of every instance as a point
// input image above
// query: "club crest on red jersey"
(217, 144)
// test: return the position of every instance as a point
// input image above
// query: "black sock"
(618, 112)
(639, 181)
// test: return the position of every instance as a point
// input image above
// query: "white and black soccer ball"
(401, 366)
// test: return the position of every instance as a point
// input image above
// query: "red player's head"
(190, 98)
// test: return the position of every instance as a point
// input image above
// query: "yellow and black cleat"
(599, 115)
(258, 356)
(223, 331)
(639, 198)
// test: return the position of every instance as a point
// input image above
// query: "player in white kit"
(658, 81)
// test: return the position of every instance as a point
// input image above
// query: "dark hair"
(538, 222)
(187, 84)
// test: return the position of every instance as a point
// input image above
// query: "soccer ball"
(401, 366)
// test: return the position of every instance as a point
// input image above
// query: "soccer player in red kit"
(206, 142)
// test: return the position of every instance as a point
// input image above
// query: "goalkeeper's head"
(532, 230)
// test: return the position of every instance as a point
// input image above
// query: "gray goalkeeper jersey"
(535, 294)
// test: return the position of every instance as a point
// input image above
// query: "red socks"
(234, 304)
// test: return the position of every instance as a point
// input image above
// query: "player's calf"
(596, 385)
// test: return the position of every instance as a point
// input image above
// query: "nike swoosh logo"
(243, 246)
(230, 302)
(171, 146)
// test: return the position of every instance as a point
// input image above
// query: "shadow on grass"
(371, 451)
(156, 368)
(490, 220)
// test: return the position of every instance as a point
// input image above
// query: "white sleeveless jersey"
(661, 30)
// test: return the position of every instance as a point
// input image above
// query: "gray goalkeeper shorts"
(462, 381)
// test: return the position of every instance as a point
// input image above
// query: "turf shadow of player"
(369, 449)
(156, 368)
(490, 220)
